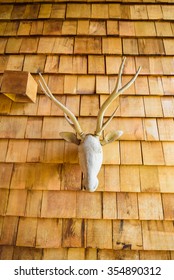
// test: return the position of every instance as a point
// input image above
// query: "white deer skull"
(90, 145)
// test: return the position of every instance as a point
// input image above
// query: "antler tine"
(70, 117)
(115, 93)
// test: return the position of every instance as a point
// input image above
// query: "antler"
(70, 117)
(115, 93)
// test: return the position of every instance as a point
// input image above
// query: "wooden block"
(83, 27)
(126, 28)
(9, 231)
(45, 11)
(132, 106)
(100, 11)
(54, 151)
(96, 64)
(109, 206)
(130, 178)
(97, 28)
(37, 27)
(58, 11)
(53, 27)
(163, 29)
(5, 175)
(83, 11)
(111, 153)
(152, 153)
(76, 254)
(83, 209)
(111, 45)
(13, 154)
(36, 151)
(6, 252)
(154, 12)
(33, 204)
(138, 12)
(112, 177)
(73, 64)
(145, 29)
(3, 148)
(130, 46)
(71, 177)
(155, 86)
(112, 27)
(153, 106)
(168, 83)
(86, 84)
(127, 235)
(3, 200)
(87, 45)
(154, 255)
(95, 236)
(69, 27)
(12, 127)
(168, 148)
(34, 63)
(149, 179)
(127, 152)
(45, 230)
(166, 129)
(60, 204)
(70, 84)
(17, 203)
(127, 206)
(19, 86)
(73, 233)
(55, 254)
(168, 206)
(154, 234)
(150, 129)
(89, 105)
(150, 206)
(151, 46)
(24, 253)
(27, 232)
(24, 28)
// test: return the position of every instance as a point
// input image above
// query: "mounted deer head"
(90, 145)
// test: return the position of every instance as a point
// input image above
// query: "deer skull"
(90, 145)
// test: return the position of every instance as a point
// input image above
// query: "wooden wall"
(78, 47)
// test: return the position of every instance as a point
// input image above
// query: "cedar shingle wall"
(78, 47)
